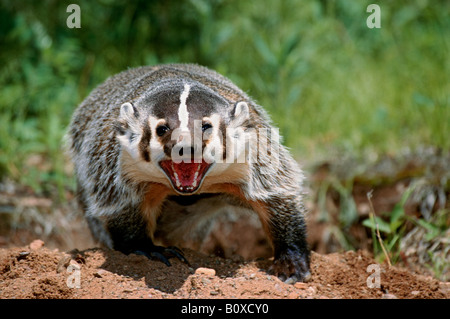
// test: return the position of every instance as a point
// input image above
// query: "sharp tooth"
(196, 175)
(195, 179)
(176, 179)
(176, 176)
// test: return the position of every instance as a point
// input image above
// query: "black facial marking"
(144, 143)
(223, 129)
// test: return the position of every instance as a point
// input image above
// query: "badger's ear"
(127, 118)
(241, 113)
(128, 112)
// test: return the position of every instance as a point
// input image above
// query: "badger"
(181, 139)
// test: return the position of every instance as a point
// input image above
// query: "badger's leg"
(127, 231)
(283, 221)
(282, 217)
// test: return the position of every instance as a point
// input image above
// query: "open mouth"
(186, 178)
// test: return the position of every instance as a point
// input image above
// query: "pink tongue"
(186, 172)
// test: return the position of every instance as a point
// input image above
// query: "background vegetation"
(328, 80)
(331, 84)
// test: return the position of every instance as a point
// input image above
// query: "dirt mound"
(38, 272)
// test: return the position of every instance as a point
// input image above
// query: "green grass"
(393, 229)
(328, 81)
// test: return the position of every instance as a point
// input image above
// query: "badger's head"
(181, 133)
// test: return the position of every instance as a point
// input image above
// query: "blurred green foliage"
(328, 81)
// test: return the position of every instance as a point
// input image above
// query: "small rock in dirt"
(300, 285)
(205, 271)
(214, 293)
(36, 244)
(100, 273)
(389, 296)
(23, 255)
(312, 290)
(415, 292)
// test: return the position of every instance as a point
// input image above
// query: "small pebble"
(23, 255)
(300, 285)
(36, 244)
(100, 273)
(205, 271)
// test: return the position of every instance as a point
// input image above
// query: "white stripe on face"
(183, 114)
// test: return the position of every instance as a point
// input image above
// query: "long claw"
(161, 257)
(178, 253)
(163, 254)
(154, 255)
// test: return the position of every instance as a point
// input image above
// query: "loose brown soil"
(32, 269)
(37, 272)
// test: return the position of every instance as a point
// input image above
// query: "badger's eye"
(161, 130)
(206, 126)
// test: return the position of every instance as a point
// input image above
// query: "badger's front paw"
(292, 266)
